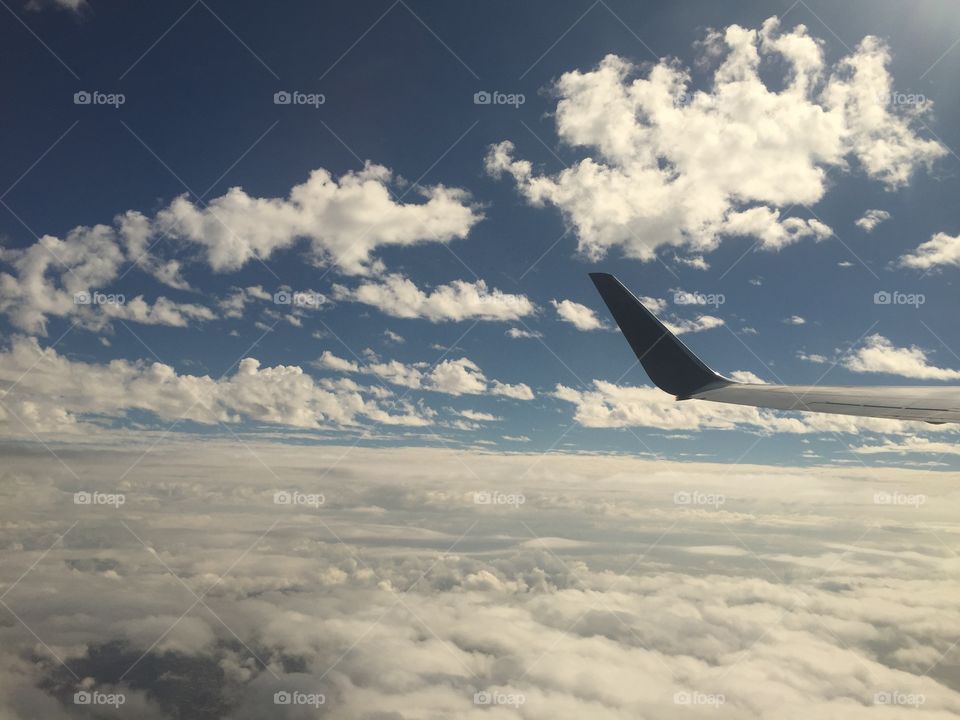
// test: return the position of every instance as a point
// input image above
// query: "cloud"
(519, 333)
(786, 603)
(698, 324)
(813, 357)
(330, 361)
(695, 261)
(669, 166)
(607, 405)
(345, 221)
(51, 393)
(459, 376)
(580, 316)
(459, 300)
(233, 305)
(71, 278)
(795, 320)
(910, 446)
(75, 6)
(393, 337)
(940, 249)
(677, 325)
(654, 305)
(745, 376)
(872, 218)
(478, 416)
(879, 355)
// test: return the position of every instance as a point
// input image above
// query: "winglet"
(668, 362)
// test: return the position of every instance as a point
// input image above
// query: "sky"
(786, 171)
(341, 251)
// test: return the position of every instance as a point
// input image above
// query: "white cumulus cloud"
(872, 218)
(879, 355)
(941, 249)
(669, 166)
(459, 300)
(580, 316)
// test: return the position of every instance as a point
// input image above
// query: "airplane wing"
(676, 370)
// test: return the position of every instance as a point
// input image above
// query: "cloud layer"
(48, 393)
(422, 586)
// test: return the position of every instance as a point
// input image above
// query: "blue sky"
(398, 81)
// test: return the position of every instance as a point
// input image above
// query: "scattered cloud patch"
(459, 376)
(398, 296)
(521, 333)
(698, 324)
(872, 218)
(343, 220)
(654, 305)
(940, 250)
(879, 355)
(580, 316)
